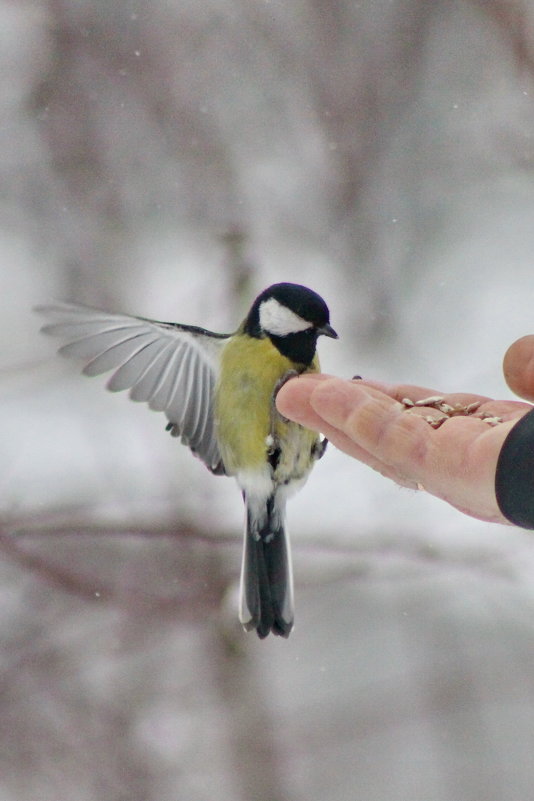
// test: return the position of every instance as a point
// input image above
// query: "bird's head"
(292, 316)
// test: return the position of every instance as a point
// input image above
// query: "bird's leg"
(320, 448)
(173, 428)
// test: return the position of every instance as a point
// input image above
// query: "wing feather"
(174, 358)
(132, 371)
(196, 411)
(146, 385)
(180, 396)
(171, 367)
(91, 346)
(117, 354)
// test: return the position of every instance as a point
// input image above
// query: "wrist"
(514, 475)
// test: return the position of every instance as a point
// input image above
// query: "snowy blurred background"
(172, 159)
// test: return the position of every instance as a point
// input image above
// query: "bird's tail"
(266, 598)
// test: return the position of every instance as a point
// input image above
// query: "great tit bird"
(218, 392)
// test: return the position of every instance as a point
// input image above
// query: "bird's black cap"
(297, 344)
(301, 300)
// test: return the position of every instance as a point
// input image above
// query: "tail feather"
(266, 576)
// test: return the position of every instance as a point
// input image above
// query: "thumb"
(518, 367)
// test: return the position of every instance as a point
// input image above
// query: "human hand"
(455, 461)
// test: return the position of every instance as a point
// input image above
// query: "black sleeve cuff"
(514, 477)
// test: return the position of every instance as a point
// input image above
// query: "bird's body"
(218, 392)
(243, 436)
(270, 458)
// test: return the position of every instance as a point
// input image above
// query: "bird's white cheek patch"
(277, 319)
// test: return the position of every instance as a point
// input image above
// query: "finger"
(459, 403)
(416, 393)
(518, 367)
(293, 401)
(400, 391)
(455, 462)
(373, 421)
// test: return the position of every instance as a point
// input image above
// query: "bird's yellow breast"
(245, 414)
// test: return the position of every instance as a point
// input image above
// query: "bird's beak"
(328, 331)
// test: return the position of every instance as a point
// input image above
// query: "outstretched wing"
(171, 367)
